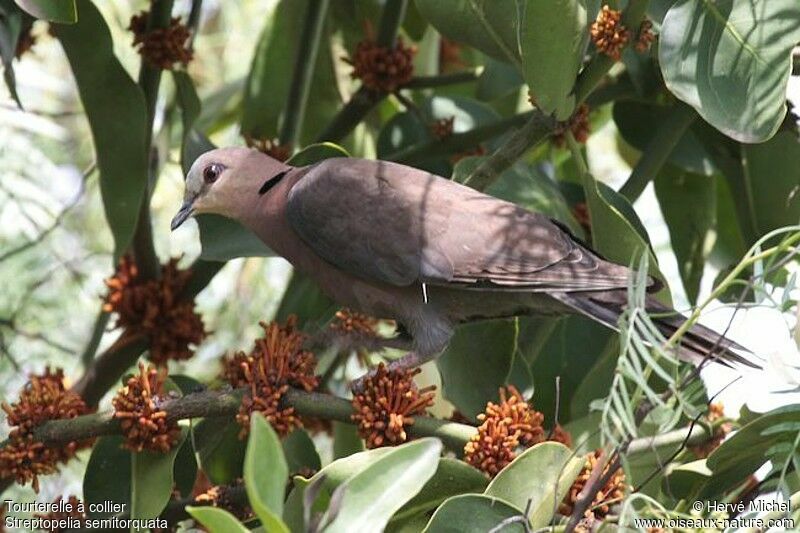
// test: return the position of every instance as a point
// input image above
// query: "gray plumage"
(397, 242)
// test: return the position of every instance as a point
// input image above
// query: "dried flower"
(578, 124)
(388, 404)
(382, 69)
(271, 147)
(43, 398)
(559, 434)
(505, 428)
(716, 412)
(352, 323)
(138, 407)
(155, 310)
(477, 151)
(645, 38)
(610, 494)
(442, 128)
(161, 47)
(231, 497)
(276, 362)
(609, 34)
(450, 55)
(74, 517)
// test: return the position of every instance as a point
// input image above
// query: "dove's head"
(220, 179)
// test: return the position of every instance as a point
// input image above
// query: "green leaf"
(11, 20)
(219, 449)
(62, 11)
(452, 477)
(552, 40)
(685, 481)
(473, 513)
(117, 115)
(265, 473)
(315, 153)
(491, 26)
(745, 452)
(194, 143)
(498, 80)
(731, 60)
(108, 475)
(217, 520)
(688, 202)
(635, 122)
(772, 176)
(476, 363)
(152, 480)
(373, 495)
(185, 469)
(299, 451)
(346, 440)
(266, 93)
(542, 475)
(305, 300)
(331, 477)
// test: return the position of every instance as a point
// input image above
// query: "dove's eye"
(212, 172)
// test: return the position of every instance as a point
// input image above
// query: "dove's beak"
(186, 210)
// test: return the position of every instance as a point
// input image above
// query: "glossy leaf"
(266, 94)
(731, 60)
(217, 520)
(265, 473)
(117, 115)
(491, 27)
(452, 477)
(306, 301)
(476, 363)
(62, 11)
(542, 475)
(219, 449)
(315, 153)
(194, 143)
(473, 513)
(108, 475)
(300, 452)
(688, 202)
(772, 178)
(11, 20)
(552, 40)
(152, 480)
(635, 122)
(373, 495)
(185, 469)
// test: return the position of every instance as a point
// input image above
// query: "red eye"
(212, 172)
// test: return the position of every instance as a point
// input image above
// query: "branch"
(442, 80)
(658, 150)
(304, 65)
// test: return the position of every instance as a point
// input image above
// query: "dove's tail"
(698, 344)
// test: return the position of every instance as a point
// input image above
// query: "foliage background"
(52, 289)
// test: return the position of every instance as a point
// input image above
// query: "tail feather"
(697, 345)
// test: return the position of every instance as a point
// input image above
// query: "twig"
(442, 80)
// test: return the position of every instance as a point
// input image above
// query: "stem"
(442, 80)
(669, 134)
(97, 334)
(364, 99)
(304, 65)
(537, 129)
(392, 17)
(600, 64)
(149, 80)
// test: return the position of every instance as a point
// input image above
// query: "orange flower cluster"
(388, 404)
(231, 497)
(505, 428)
(559, 434)
(154, 309)
(138, 407)
(271, 147)
(382, 69)
(276, 362)
(77, 513)
(44, 398)
(609, 34)
(348, 322)
(442, 128)
(578, 124)
(645, 38)
(716, 412)
(606, 497)
(161, 47)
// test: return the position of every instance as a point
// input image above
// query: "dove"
(399, 243)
